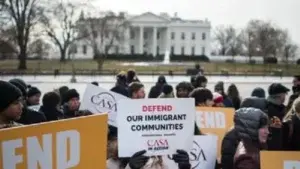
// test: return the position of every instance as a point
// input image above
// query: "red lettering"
(157, 143)
(157, 108)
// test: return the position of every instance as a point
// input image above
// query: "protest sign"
(202, 155)
(99, 100)
(75, 143)
(279, 160)
(159, 126)
(213, 120)
(35, 108)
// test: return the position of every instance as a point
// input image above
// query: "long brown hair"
(295, 109)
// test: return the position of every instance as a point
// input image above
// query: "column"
(154, 42)
(168, 39)
(141, 40)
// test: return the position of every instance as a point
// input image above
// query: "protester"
(296, 91)
(219, 88)
(167, 92)
(33, 96)
(121, 85)
(252, 128)
(10, 105)
(234, 96)
(156, 90)
(50, 107)
(218, 100)
(136, 90)
(203, 97)
(200, 81)
(258, 92)
(70, 103)
(291, 137)
(61, 91)
(131, 76)
(183, 89)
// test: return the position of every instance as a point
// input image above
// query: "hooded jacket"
(247, 123)
(156, 90)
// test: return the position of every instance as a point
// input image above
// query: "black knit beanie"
(51, 99)
(167, 89)
(62, 90)
(70, 94)
(8, 94)
(33, 91)
(19, 84)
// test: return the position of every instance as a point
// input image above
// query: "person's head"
(278, 92)
(193, 81)
(136, 90)
(33, 96)
(95, 83)
(232, 91)
(167, 91)
(296, 80)
(259, 92)
(203, 97)
(21, 85)
(219, 87)
(131, 74)
(255, 102)
(10, 102)
(121, 78)
(218, 100)
(71, 99)
(183, 89)
(252, 125)
(200, 81)
(62, 90)
(51, 100)
(161, 80)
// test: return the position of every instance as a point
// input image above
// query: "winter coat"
(247, 123)
(120, 89)
(31, 117)
(155, 91)
(227, 102)
(291, 136)
(274, 109)
(171, 95)
(230, 143)
(51, 113)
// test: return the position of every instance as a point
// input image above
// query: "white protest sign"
(99, 100)
(35, 108)
(160, 126)
(202, 155)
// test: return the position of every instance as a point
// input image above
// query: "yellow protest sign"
(279, 160)
(75, 143)
(216, 121)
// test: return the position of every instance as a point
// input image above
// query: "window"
(158, 35)
(132, 34)
(182, 50)
(132, 49)
(173, 35)
(203, 36)
(203, 51)
(193, 36)
(182, 35)
(145, 35)
(193, 51)
(84, 49)
(157, 50)
(117, 50)
(172, 50)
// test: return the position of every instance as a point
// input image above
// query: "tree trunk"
(22, 59)
(62, 55)
(100, 62)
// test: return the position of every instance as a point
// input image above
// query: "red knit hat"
(217, 98)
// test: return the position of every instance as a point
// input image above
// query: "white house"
(155, 34)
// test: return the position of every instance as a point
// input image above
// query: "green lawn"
(89, 65)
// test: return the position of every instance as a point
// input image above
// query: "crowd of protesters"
(259, 122)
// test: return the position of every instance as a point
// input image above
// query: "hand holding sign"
(138, 160)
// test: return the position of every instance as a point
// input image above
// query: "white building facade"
(155, 34)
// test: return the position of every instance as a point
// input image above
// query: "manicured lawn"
(89, 65)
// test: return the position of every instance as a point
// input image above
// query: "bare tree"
(104, 33)
(23, 15)
(60, 24)
(39, 48)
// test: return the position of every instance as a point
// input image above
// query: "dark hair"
(232, 91)
(201, 95)
(185, 85)
(134, 87)
(199, 80)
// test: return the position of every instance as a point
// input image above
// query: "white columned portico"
(154, 52)
(141, 40)
(168, 37)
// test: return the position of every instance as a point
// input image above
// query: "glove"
(138, 160)
(182, 158)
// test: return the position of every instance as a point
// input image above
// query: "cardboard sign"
(75, 143)
(216, 121)
(279, 160)
(202, 155)
(160, 126)
(99, 100)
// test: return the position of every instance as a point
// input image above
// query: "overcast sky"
(285, 13)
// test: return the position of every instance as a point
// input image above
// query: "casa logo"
(157, 145)
(105, 102)
(197, 155)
